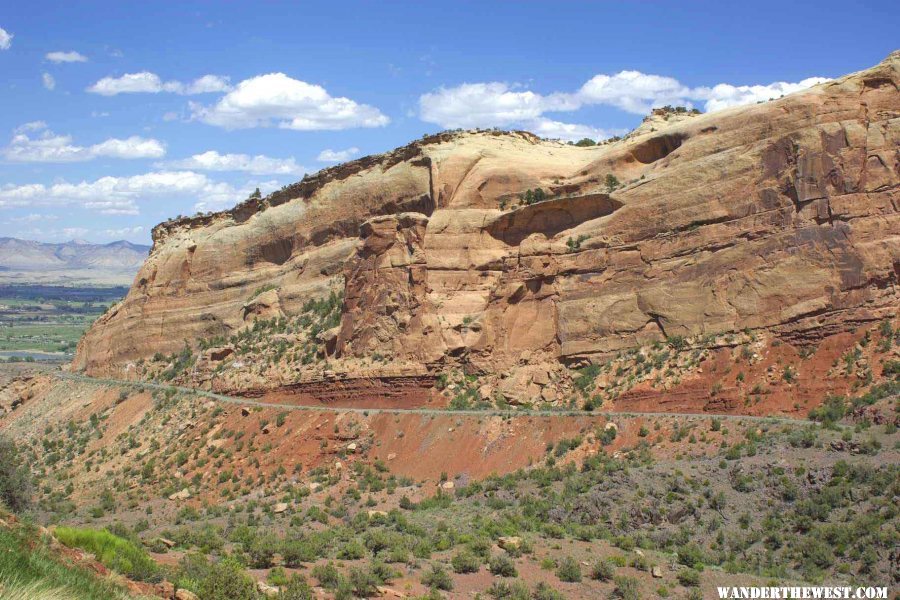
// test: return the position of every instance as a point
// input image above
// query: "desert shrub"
(465, 562)
(480, 547)
(277, 576)
(606, 435)
(352, 550)
(116, 553)
(542, 591)
(790, 374)
(640, 563)
(603, 570)
(363, 583)
(891, 368)
(503, 566)
(569, 570)
(261, 551)
(676, 342)
(383, 572)
(565, 445)
(327, 576)
(626, 589)
(689, 577)
(832, 410)
(296, 589)
(15, 486)
(226, 580)
(262, 290)
(515, 590)
(803, 438)
(574, 244)
(437, 578)
(814, 554)
(612, 182)
(584, 379)
(533, 196)
(690, 555)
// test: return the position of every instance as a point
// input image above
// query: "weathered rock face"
(781, 216)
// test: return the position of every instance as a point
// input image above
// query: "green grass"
(45, 337)
(28, 570)
(14, 590)
(48, 319)
(119, 554)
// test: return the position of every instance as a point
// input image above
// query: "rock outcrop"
(780, 217)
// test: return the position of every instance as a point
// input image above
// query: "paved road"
(412, 411)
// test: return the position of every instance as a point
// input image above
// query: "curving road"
(237, 400)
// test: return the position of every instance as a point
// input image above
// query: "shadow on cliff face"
(658, 147)
(550, 217)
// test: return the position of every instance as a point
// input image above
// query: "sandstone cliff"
(780, 218)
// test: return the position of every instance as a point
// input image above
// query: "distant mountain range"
(76, 261)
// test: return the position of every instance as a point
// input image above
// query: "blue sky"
(115, 116)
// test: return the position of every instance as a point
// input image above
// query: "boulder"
(266, 305)
(269, 591)
(165, 589)
(180, 495)
(510, 542)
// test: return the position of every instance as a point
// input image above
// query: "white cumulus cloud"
(208, 84)
(122, 195)
(548, 128)
(258, 165)
(477, 104)
(725, 95)
(52, 148)
(33, 218)
(221, 195)
(146, 82)
(123, 232)
(498, 104)
(329, 155)
(31, 126)
(48, 81)
(5, 39)
(279, 100)
(633, 91)
(65, 57)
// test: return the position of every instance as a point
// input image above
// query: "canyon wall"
(779, 217)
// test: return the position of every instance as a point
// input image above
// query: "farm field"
(45, 322)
